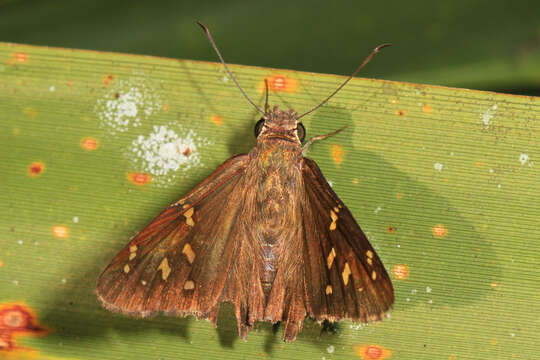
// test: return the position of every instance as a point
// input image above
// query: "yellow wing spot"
(143, 282)
(328, 289)
(373, 275)
(330, 258)
(334, 218)
(189, 285)
(336, 209)
(360, 289)
(165, 269)
(190, 254)
(369, 254)
(132, 252)
(346, 273)
(188, 215)
(126, 268)
(369, 261)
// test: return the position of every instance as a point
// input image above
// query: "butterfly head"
(278, 124)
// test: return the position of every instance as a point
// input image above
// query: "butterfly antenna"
(209, 36)
(368, 59)
(266, 106)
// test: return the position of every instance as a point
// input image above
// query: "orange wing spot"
(278, 83)
(15, 320)
(338, 153)
(89, 144)
(402, 112)
(439, 230)
(216, 119)
(372, 352)
(20, 57)
(107, 79)
(60, 231)
(139, 178)
(400, 271)
(427, 109)
(36, 168)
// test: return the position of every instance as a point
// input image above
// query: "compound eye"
(258, 127)
(301, 131)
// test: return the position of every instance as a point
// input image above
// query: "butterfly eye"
(258, 127)
(301, 131)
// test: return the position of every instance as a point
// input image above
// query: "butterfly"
(265, 232)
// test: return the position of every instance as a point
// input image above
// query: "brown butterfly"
(265, 232)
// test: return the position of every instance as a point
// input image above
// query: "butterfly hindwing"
(344, 276)
(188, 259)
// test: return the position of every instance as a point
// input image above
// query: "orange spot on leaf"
(15, 320)
(479, 164)
(427, 109)
(36, 168)
(278, 83)
(30, 112)
(89, 144)
(216, 119)
(20, 57)
(400, 271)
(107, 79)
(402, 112)
(338, 153)
(139, 178)
(439, 230)
(60, 231)
(391, 229)
(372, 352)
(399, 196)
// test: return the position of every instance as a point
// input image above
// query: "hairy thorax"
(276, 200)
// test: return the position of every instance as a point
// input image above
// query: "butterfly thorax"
(276, 161)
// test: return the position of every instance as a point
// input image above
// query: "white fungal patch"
(524, 159)
(330, 349)
(488, 115)
(438, 166)
(127, 104)
(166, 151)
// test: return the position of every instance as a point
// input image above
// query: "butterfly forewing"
(179, 263)
(344, 276)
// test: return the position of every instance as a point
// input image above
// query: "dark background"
(488, 45)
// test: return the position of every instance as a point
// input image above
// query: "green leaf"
(94, 145)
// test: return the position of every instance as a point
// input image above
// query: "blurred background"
(488, 45)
